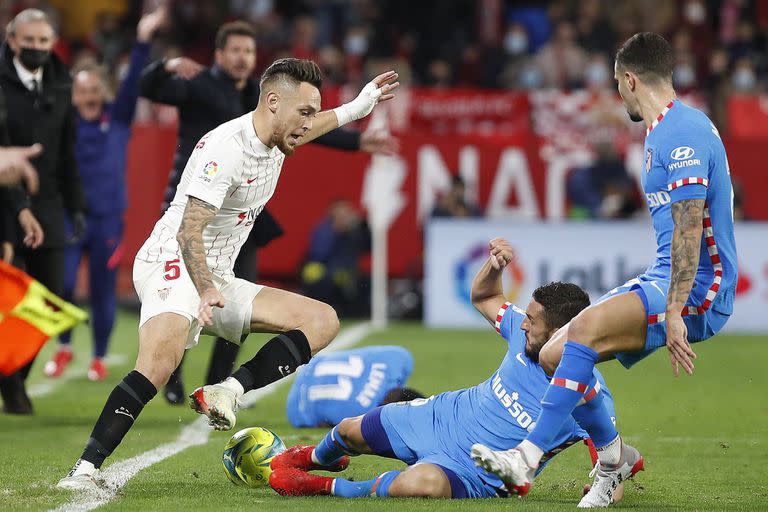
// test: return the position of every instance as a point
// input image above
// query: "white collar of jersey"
(250, 132)
(661, 116)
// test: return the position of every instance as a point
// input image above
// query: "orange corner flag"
(29, 315)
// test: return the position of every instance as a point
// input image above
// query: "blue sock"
(378, 486)
(331, 448)
(567, 387)
(594, 417)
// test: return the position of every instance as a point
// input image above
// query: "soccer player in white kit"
(183, 272)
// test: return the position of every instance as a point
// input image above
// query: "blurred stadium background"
(515, 99)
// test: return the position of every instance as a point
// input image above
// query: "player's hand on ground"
(183, 67)
(33, 232)
(501, 253)
(210, 298)
(680, 351)
(379, 141)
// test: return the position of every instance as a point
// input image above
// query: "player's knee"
(549, 357)
(350, 432)
(157, 371)
(424, 484)
(582, 328)
(323, 324)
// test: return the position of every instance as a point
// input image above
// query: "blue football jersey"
(347, 383)
(685, 159)
(501, 411)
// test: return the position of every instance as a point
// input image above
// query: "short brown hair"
(293, 70)
(649, 56)
(234, 28)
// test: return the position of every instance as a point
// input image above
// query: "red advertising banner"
(510, 173)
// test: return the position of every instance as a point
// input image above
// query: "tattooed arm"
(197, 215)
(688, 216)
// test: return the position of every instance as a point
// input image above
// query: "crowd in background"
(721, 45)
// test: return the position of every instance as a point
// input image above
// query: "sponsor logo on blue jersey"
(657, 198)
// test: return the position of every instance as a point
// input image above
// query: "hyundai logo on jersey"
(682, 153)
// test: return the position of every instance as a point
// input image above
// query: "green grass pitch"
(705, 438)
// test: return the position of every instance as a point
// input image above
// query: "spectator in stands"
(103, 131)
(597, 74)
(603, 190)
(37, 90)
(519, 69)
(561, 61)
(454, 203)
(331, 272)
(593, 31)
(744, 77)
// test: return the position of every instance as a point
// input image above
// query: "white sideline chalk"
(196, 433)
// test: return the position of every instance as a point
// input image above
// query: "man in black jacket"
(37, 91)
(207, 97)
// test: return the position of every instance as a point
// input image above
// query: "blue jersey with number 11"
(347, 383)
(685, 159)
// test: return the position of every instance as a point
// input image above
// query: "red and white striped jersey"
(231, 169)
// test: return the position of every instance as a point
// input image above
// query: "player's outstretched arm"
(376, 91)
(487, 293)
(197, 215)
(688, 216)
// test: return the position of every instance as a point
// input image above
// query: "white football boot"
(508, 465)
(607, 488)
(217, 402)
(80, 480)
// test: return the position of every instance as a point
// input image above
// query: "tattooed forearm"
(686, 246)
(190, 237)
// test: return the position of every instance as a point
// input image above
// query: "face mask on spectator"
(515, 43)
(744, 80)
(595, 75)
(355, 44)
(33, 58)
(684, 76)
(530, 78)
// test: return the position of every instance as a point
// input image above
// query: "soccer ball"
(248, 454)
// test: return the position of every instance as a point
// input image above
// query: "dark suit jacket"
(47, 118)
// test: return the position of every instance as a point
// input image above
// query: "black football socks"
(278, 358)
(122, 408)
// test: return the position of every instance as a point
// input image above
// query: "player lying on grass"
(338, 385)
(686, 296)
(184, 272)
(433, 436)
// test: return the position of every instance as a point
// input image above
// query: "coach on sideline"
(37, 90)
(206, 98)
(15, 169)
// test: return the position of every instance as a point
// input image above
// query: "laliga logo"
(211, 168)
(467, 267)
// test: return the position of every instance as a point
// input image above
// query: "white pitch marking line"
(197, 433)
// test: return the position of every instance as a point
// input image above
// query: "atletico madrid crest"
(648, 159)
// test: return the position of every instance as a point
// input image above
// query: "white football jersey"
(231, 169)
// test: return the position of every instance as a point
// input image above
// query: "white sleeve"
(215, 171)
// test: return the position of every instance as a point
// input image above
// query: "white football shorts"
(165, 287)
